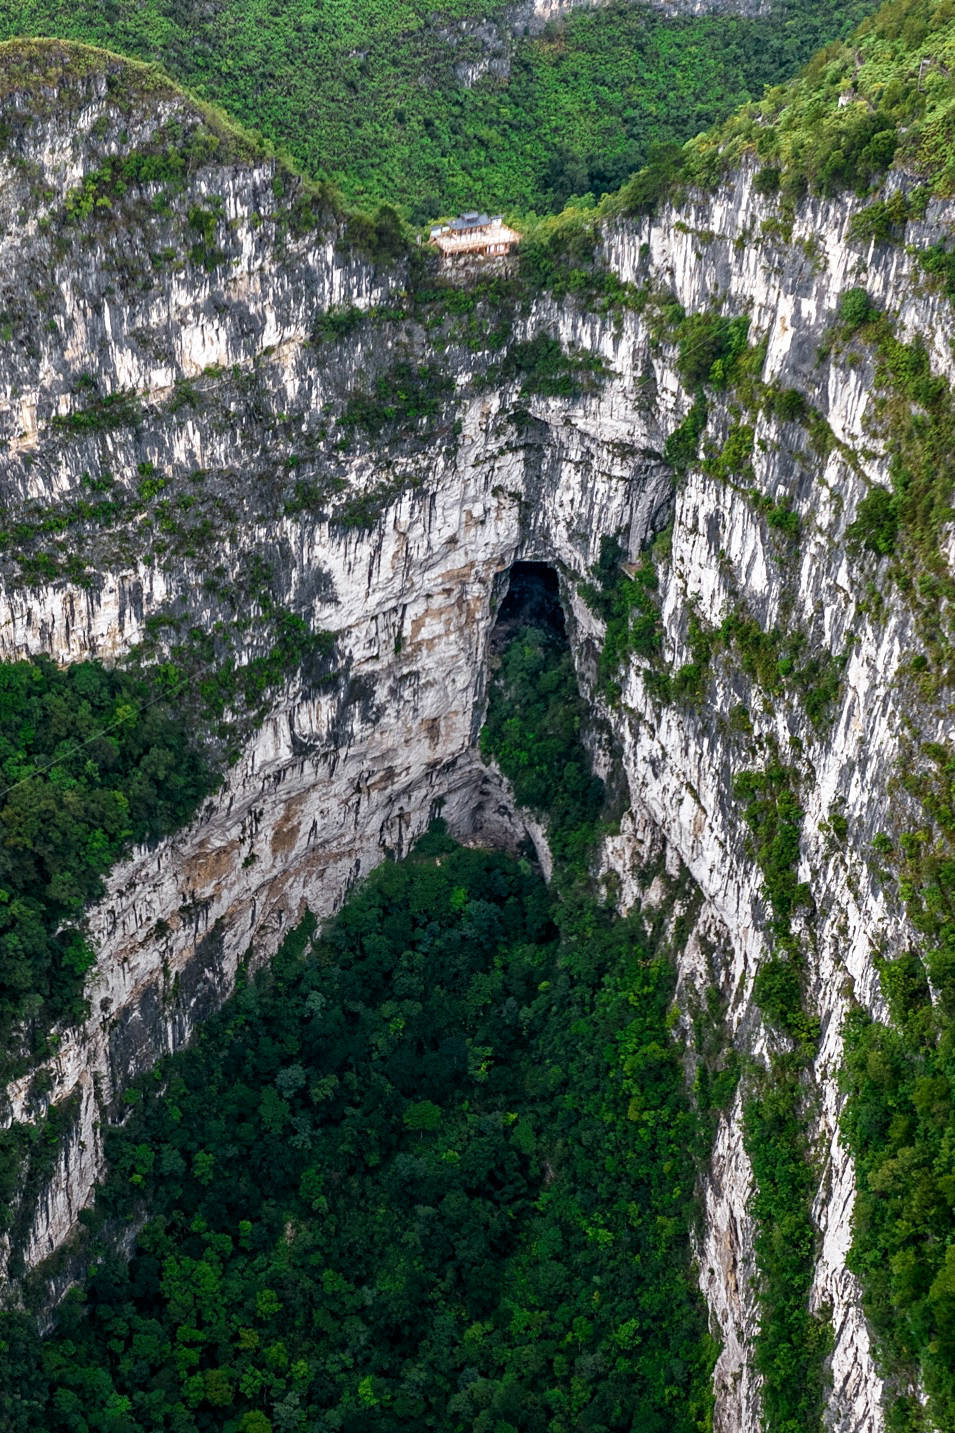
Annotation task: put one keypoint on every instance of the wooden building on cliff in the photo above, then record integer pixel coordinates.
(476, 236)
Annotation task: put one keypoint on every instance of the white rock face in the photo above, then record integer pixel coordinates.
(339, 775)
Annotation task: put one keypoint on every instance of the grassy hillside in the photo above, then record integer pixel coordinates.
(367, 94)
(886, 98)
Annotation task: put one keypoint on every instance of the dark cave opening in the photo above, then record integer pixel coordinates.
(532, 600)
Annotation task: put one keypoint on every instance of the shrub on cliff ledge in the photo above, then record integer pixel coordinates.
(876, 524)
(711, 348)
(855, 309)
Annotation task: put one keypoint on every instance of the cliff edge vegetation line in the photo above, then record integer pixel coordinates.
(882, 98)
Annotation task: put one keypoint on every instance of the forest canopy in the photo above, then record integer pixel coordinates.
(91, 760)
(406, 104)
(431, 1169)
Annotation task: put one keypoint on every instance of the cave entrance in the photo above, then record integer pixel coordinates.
(532, 600)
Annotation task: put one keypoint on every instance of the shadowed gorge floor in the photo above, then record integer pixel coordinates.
(431, 1169)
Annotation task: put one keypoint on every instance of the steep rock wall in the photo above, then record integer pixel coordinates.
(726, 556)
(342, 773)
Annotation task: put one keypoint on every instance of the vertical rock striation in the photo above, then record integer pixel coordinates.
(240, 358)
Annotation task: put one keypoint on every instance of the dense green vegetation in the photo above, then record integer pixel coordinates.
(366, 93)
(885, 96)
(90, 760)
(533, 730)
(899, 1120)
(792, 1343)
(433, 1173)
(433, 1169)
(899, 1126)
(94, 759)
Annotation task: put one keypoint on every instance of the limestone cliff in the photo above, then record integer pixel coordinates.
(223, 336)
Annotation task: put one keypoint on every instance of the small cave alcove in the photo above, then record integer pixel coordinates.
(532, 599)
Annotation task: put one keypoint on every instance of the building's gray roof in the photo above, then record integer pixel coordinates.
(472, 220)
